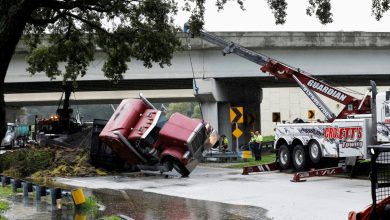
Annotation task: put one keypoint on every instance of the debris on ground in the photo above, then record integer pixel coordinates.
(81, 139)
(51, 161)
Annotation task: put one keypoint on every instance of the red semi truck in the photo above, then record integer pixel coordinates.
(141, 135)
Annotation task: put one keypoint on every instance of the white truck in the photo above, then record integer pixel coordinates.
(306, 144)
(346, 135)
(16, 135)
(302, 144)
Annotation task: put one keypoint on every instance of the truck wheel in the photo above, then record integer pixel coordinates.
(315, 153)
(22, 142)
(10, 146)
(180, 168)
(299, 157)
(284, 157)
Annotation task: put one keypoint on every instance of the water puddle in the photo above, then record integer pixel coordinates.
(143, 205)
(29, 208)
(134, 204)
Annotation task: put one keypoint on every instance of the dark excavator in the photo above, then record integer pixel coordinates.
(60, 124)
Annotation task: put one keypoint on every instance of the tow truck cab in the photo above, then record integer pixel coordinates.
(383, 116)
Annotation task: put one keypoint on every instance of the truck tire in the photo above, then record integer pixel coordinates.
(299, 157)
(315, 153)
(180, 168)
(10, 146)
(284, 157)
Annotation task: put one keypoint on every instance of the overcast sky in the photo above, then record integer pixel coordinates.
(348, 15)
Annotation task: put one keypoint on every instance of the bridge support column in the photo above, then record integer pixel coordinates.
(218, 97)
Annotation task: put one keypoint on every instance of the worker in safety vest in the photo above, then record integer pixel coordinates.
(225, 143)
(252, 143)
(259, 140)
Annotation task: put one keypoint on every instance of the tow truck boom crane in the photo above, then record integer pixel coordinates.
(306, 144)
(307, 83)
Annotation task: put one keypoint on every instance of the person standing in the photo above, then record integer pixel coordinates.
(259, 140)
(225, 143)
(252, 144)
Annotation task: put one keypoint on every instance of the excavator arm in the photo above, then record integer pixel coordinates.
(307, 83)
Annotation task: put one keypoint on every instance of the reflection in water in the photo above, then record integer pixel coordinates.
(137, 205)
(30, 208)
(141, 205)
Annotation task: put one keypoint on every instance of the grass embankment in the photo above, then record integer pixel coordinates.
(90, 205)
(268, 138)
(39, 164)
(265, 158)
(47, 162)
(113, 217)
(5, 205)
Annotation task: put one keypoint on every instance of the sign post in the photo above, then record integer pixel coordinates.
(236, 117)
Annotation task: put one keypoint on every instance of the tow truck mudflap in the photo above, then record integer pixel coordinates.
(298, 177)
(260, 168)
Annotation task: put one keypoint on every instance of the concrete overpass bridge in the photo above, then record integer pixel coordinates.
(343, 58)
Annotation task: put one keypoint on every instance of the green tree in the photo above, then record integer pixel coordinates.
(190, 109)
(184, 108)
(122, 29)
(196, 113)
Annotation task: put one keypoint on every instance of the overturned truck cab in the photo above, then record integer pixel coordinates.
(142, 135)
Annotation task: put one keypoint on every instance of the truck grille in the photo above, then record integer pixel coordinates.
(197, 140)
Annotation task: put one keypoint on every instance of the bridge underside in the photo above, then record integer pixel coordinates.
(186, 83)
(99, 97)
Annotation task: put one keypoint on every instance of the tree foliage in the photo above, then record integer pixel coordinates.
(278, 8)
(379, 7)
(62, 36)
(321, 8)
(190, 109)
(123, 30)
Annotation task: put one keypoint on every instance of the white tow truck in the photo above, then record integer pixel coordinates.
(304, 144)
(345, 136)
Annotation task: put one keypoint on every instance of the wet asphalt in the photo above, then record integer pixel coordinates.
(134, 204)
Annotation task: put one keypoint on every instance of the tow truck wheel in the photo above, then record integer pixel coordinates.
(299, 157)
(315, 152)
(284, 157)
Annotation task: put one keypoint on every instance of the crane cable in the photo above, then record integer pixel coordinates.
(78, 118)
(195, 87)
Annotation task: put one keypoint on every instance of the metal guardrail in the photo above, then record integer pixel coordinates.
(55, 193)
(222, 156)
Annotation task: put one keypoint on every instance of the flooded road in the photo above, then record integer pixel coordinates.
(135, 204)
(141, 205)
(30, 208)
